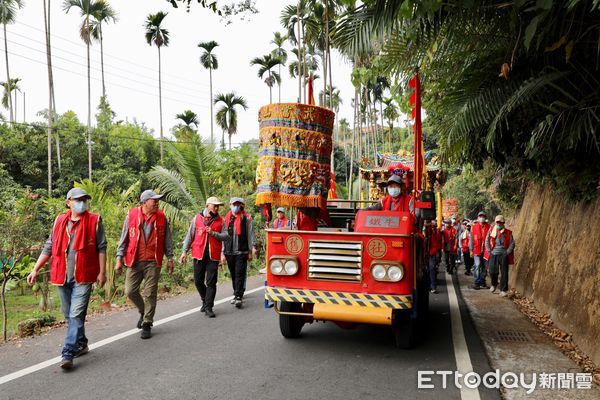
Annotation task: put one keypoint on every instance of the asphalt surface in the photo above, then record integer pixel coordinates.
(242, 355)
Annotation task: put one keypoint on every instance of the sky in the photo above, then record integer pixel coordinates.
(131, 65)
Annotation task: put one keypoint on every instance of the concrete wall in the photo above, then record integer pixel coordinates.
(557, 263)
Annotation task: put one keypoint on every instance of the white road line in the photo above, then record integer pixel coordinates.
(461, 351)
(45, 364)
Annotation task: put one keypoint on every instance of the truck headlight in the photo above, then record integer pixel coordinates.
(395, 273)
(378, 272)
(276, 267)
(291, 267)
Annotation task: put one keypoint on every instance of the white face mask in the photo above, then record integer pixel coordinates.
(481, 220)
(80, 206)
(394, 191)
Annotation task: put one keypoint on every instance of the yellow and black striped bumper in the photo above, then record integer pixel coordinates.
(339, 298)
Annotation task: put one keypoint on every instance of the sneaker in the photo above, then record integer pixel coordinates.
(503, 294)
(238, 302)
(232, 301)
(66, 363)
(433, 291)
(203, 308)
(476, 287)
(209, 312)
(146, 331)
(140, 321)
(262, 270)
(82, 350)
(484, 286)
(492, 289)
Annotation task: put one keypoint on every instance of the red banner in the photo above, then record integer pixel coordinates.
(415, 102)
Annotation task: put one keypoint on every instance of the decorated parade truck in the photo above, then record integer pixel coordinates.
(353, 265)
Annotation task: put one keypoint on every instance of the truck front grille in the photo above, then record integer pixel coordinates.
(339, 261)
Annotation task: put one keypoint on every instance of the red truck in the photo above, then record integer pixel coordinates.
(367, 269)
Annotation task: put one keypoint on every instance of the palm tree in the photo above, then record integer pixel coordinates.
(8, 14)
(210, 62)
(227, 114)
(51, 101)
(157, 35)
(87, 8)
(279, 52)
(391, 113)
(267, 63)
(189, 118)
(8, 90)
(104, 14)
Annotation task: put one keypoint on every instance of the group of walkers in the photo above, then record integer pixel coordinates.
(77, 249)
(482, 248)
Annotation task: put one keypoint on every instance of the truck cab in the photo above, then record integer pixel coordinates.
(366, 268)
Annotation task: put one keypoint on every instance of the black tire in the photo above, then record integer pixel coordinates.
(290, 325)
(404, 330)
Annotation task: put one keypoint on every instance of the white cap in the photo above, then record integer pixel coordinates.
(237, 200)
(281, 209)
(214, 200)
(77, 193)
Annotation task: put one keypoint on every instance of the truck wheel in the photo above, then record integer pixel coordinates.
(404, 330)
(290, 325)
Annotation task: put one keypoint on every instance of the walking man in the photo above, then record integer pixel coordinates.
(77, 245)
(435, 245)
(281, 222)
(238, 249)
(465, 240)
(145, 240)
(450, 244)
(499, 245)
(479, 232)
(205, 237)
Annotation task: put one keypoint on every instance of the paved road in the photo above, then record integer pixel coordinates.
(241, 355)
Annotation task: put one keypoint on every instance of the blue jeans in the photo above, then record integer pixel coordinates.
(74, 299)
(479, 271)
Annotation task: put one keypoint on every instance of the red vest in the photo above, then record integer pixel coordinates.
(464, 243)
(87, 265)
(136, 220)
(435, 244)
(506, 240)
(281, 223)
(479, 232)
(403, 204)
(200, 235)
(449, 236)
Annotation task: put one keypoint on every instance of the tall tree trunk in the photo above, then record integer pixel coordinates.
(8, 85)
(102, 60)
(299, 55)
(229, 134)
(212, 140)
(16, 103)
(50, 82)
(279, 84)
(24, 104)
(160, 105)
(4, 316)
(354, 125)
(89, 87)
(270, 89)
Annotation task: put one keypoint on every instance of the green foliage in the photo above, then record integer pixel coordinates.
(540, 117)
(471, 187)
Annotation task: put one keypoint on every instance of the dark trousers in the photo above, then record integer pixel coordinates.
(450, 260)
(238, 264)
(432, 269)
(468, 261)
(498, 263)
(205, 279)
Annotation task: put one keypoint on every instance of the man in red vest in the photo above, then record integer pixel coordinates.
(397, 199)
(205, 236)
(435, 245)
(479, 232)
(281, 222)
(77, 245)
(239, 248)
(499, 246)
(450, 245)
(466, 238)
(145, 240)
